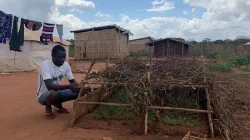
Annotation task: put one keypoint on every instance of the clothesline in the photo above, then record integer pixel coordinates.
(37, 20)
(9, 29)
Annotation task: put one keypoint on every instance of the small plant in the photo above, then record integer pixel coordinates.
(140, 53)
(242, 60)
(171, 120)
(104, 113)
(151, 117)
(192, 123)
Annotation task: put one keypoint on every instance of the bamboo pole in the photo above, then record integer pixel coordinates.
(149, 107)
(208, 99)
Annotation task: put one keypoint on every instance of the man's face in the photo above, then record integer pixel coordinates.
(59, 58)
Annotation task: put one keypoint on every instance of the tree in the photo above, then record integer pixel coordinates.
(219, 41)
(192, 41)
(206, 40)
(228, 41)
(242, 39)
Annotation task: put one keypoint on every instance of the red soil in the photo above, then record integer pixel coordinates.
(22, 117)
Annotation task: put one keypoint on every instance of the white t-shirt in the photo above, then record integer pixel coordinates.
(48, 70)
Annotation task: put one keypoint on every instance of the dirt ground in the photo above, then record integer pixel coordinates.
(238, 88)
(22, 117)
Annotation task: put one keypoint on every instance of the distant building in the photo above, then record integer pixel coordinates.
(248, 43)
(102, 42)
(170, 47)
(138, 44)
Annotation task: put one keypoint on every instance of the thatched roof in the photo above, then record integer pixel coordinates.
(103, 28)
(173, 39)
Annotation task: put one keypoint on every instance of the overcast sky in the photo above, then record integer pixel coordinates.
(188, 19)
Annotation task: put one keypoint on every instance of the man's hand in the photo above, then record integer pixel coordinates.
(74, 87)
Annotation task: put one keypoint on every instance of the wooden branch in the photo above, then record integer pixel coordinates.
(220, 81)
(224, 89)
(87, 75)
(106, 104)
(146, 123)
(150, 107)
(100, 83)
(208, 99)
(181, 109)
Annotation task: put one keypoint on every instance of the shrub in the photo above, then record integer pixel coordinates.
(242, 60)
(212, 55)
(220, 66)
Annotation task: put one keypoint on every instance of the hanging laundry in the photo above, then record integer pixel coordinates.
(47, 33)
(21, 33)
(32, 25)
(60, 31)
(17, 38)
(5, 26)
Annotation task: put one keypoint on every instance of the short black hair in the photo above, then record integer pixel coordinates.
(58, 48)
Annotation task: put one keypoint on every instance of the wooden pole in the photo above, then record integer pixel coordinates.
(182, 49)
(146, 123)
(208, 99)
(150, 107)
(146, 114)
(105, 104)
(80, 94)
(224, 89)
(82, 87)
(181, 109)
(101, 83)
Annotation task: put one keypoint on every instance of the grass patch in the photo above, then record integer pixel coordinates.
(241, 60)
(113, 112)
(179, 118)
(126, 113)
(227, 61)
(151, 117)
(220, 66)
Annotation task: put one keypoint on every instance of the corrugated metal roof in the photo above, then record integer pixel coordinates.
(148, 37)
(102, 28)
